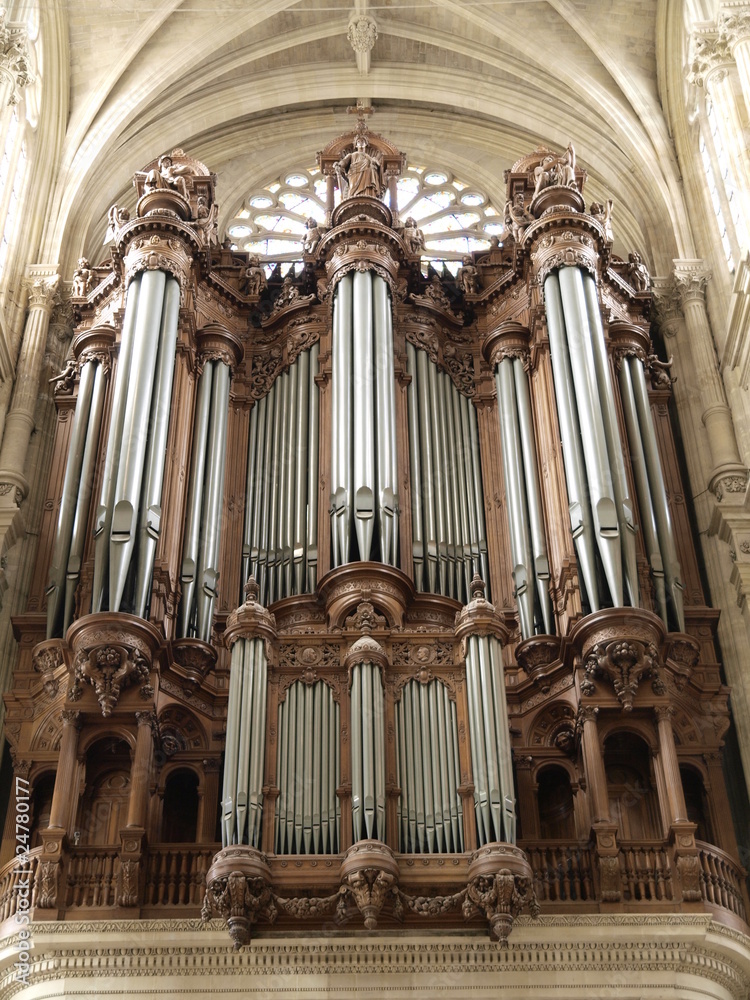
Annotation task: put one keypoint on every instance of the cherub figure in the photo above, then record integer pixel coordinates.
(638, 273)
(81, 279)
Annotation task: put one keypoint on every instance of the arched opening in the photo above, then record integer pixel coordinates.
(41, 807)
(633, 803)
(180, 810)
(555, 803)
(104, 807)
(696, 803)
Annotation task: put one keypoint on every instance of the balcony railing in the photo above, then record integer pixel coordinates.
(173, 878)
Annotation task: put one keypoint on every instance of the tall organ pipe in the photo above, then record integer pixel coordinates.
(643, 490)
(448, 532)
(150, 514)
(658, 491)
(612, 433)
(368, 764)
(200, 550)
(129, 508)
(242, 795)
(78, 473)
(575, 478)
(364, 470)
(490, 741)
(280, 531)
(429, 806)
(596, 458)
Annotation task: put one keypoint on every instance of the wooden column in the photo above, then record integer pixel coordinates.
(140, 772)
(63, 796)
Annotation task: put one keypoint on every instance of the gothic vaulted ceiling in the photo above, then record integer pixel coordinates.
(253, 87)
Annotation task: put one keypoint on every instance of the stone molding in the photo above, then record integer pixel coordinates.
(706, 956)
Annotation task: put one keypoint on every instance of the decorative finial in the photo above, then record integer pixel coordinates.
(252, 591)
(477, 588)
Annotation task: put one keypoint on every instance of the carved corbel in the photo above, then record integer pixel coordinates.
(109, 669)
(369, 876)
(500, 886)
(47, 658)
(238, 890)
(624, 662)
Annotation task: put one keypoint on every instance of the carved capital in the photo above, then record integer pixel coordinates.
(158, 252)
(691, 278)
(666, 304)
(711, 53)
(734, 24)
(42, 283)
(251, 619)
(70, 717)
(14, 58)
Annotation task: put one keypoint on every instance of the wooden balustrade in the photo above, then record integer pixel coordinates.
(722, 880)
(175, 876)
(646, 872)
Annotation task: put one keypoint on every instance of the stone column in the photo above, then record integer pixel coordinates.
(728, 475)
(42, 284)
(14, 65)
(63, 795)
(734, 28)
(141, 770)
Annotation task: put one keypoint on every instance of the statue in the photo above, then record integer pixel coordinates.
(168, 175)
(556, 170)
(311, 237)
(638, 273)
(207, 219)
(116, 219)
(468, 277)
(65, 381)
(603, 215)
(517, 217)
(413, 237)
(360, 173)
(81, 279)
(255, 277)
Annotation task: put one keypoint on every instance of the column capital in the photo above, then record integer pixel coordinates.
(42, 280)
(734, 22)
(691, 278)
(71, 717)
(711, 54)
(666, 299)
(14, 58)
(664, 713)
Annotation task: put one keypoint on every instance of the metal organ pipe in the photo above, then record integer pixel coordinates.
(431, 819)
(134, 466)
(364, 469)
(368, 761)
(447, 499)
(242, 796)
(280, 532)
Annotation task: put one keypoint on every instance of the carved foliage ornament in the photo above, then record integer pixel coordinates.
(362, 33)
(46, 659)
(158, 253)
(241, 900)
(110, 669)
(500, 897)
(14, 58)
(624, 663)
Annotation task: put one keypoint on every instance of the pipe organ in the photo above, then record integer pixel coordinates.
(368, 452)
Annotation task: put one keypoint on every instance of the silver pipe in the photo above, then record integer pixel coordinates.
(308, 775)
(281, 781)
(500, 707)
(402, 831)
(85, 489)
(289, 501)
(596, 459)
(135, 433)
(596, 346)
(315, 749)
(247, 527)
(291, 730)
(424, 405)
(437, 747)
(278, 488)
(255, 455)
(312, 476)
(208, 565)
(491, 736)
(378, 725)
(476, 475)
(245, 740)
(433, 428)
(232, 751)
(363, 379)
(460, 448)
(258, 745)
(337, 780)
(150, 513)
(368, 750)
(385, 421)
(266, 474)
(342, 380)
(447, 481)
(658, 490)
(356, 720)
(411, 757)
(520, 544)
(71, 483)
(451, 777)
(300, 474)
(425, 729)
(301, 772)
(327, 755)
(419, 757)
(457, 772)
(415, 469)
(643, 490)
(453, 471)
(478, 751)
(104, 510)
(533, 494)
(580, 515)
(190, 546)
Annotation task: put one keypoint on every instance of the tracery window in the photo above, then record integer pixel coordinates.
(455, 217)
(721, 185)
